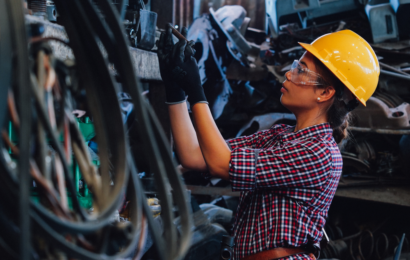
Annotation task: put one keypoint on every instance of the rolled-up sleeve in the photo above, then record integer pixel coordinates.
(298, 165)
(242, 168)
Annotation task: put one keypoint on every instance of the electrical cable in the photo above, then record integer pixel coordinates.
(131, 85)
(87, 33)
(21, 79)
(111, 21)
(43, 116)
(6, 58)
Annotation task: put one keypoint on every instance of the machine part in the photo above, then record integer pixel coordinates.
(39, 7)
(236, 71)
(202, 33)
(216, 87)
(206, 238)
(148, 22)
(393, 69)
(365, 151)
(259, 123)
(391, 100)
(278, 12)
(402, 8)
(383, 22)
(354, 165)
(388, 163)
(217, 214)
(245, 97)
(366, 239)
(355, 245)
(399, 248)
(51, 12)
(229, 19)
(335, 49)
(379, 131)
(276, 9)
(227, 247)
(377, 114)
(396, 75)
(335, 249)
(381, 246)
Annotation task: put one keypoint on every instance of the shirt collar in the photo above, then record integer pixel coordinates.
(315, 130)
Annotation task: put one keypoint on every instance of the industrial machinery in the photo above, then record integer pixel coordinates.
(43, 93)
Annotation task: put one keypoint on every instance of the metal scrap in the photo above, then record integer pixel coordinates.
(377, 114)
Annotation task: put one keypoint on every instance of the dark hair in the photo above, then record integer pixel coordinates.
(337, 114)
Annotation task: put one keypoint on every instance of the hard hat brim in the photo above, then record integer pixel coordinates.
(328, 65)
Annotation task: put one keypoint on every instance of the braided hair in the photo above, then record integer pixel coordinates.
(338, 113)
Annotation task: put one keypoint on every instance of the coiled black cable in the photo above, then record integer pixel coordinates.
(87, 31)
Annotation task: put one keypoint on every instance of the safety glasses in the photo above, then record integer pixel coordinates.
(302, 75)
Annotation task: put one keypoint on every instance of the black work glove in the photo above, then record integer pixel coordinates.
(173, 93)
(185, 72)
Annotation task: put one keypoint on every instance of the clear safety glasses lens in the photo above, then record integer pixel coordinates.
(302, 75)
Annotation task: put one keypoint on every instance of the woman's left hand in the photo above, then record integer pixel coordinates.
(184, 70)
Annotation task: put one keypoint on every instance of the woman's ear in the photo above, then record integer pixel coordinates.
(326, 93)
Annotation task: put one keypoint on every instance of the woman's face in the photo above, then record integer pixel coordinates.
(297, 97)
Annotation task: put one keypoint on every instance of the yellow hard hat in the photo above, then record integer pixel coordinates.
(351, 59)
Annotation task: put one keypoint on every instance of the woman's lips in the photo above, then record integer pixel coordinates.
(283, 89)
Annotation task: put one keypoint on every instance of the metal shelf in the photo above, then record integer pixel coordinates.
(145, 62)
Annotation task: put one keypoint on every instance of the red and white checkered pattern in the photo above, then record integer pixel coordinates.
(287, 181)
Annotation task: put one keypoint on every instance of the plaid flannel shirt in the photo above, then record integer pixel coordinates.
(287, 181)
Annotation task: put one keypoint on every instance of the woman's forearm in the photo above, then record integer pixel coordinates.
(185, 138)
(214, 148)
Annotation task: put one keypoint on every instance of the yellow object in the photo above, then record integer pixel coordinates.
(351, 59)
(153, 203)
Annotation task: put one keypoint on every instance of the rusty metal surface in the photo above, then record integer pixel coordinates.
(145, 62)
(380, 131)
(377, 114)
(391, 195)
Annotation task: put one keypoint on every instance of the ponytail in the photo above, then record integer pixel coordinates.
(339, 119)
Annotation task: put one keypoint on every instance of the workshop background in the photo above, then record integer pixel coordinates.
(87, 168)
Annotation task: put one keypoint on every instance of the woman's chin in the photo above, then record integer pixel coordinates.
(284, 101)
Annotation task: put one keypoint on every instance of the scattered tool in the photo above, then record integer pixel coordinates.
(176, 33)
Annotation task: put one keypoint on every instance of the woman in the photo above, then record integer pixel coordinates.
(287, 175)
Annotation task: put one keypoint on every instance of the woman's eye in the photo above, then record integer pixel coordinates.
(300, 70)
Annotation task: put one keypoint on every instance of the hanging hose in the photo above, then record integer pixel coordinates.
(40, 92)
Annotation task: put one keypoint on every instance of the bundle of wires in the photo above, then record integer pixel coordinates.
(39, 105)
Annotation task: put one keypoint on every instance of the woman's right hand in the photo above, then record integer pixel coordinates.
(173, 93)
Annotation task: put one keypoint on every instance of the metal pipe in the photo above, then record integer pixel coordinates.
(393, 69)
(380, 131)
(397, 75)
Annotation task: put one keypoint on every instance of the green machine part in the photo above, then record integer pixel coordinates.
(84, 195)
